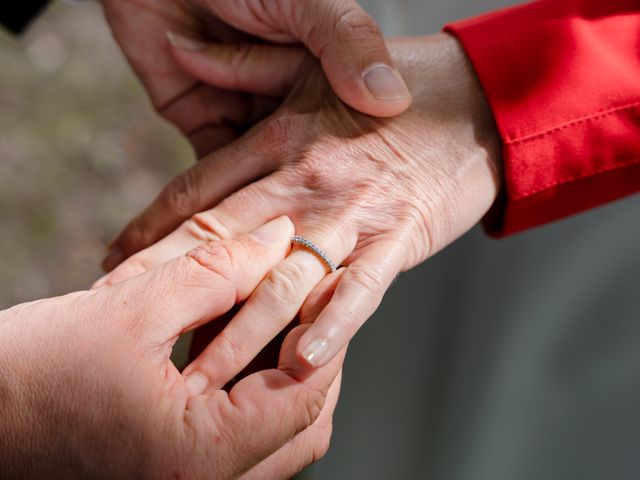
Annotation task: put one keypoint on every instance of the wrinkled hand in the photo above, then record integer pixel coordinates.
(379, 196)
(339, 32)
(88, 390)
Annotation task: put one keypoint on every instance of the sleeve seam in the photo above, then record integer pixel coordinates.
(572, 178)
(571, 124)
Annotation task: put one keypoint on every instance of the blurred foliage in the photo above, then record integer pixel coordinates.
(81, 151)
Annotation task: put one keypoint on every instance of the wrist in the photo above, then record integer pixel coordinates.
(453, 113)
(482, 115)
(460, 94)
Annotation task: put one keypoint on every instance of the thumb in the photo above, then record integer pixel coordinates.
(267, 409)
(355, 58)
(341, 34)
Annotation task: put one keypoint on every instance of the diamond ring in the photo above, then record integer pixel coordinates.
(309, 245)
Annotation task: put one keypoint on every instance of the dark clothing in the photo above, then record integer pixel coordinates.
(16, 15)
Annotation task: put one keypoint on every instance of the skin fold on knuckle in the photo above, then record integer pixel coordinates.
(205, 227)
(219, 263)
(369, 280)
(308, 402)
(415, 232)
(233, 351)
(282, 284)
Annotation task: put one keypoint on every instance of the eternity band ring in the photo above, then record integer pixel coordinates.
(312, 247)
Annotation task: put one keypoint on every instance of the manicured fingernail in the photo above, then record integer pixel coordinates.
(196, 383)
(273, 231)
(385, 83)
(185, 43)
(316, 353)
(113, 258)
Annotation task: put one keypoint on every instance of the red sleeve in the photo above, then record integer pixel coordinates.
(563, 81)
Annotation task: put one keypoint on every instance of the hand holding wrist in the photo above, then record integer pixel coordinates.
(378, 195)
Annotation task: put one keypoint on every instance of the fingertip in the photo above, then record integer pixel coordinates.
(275, 231)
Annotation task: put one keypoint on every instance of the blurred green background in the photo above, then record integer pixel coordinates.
(81, 151)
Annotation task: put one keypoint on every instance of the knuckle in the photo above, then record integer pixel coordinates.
(232, 351)
(313, 401)
(180, 196)
(368, 279)
(216, 258)
(314, 170)
(206, 227)
(284, 283)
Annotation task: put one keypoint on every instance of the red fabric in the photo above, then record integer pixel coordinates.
(563, 81)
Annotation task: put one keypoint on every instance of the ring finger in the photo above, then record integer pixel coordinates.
(274, 303)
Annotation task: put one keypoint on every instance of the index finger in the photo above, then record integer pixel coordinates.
(199, 286)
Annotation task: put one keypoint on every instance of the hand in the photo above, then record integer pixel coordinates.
(339, 32)
(379, 196)
(88, 390)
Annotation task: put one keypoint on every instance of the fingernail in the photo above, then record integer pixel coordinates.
(185, 43)
(273, 231)
(316, 353)
(113, 258)
(385, 83)
(196, 383)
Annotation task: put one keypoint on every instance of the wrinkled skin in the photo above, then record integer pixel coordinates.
(377, 195)
(208, 116)
(339, 32)
(88, 389)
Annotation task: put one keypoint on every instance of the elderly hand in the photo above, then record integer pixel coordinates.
(378, 196)
(339, 32)
(88, 391)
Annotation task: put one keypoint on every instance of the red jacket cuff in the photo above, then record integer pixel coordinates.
(563, 82)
